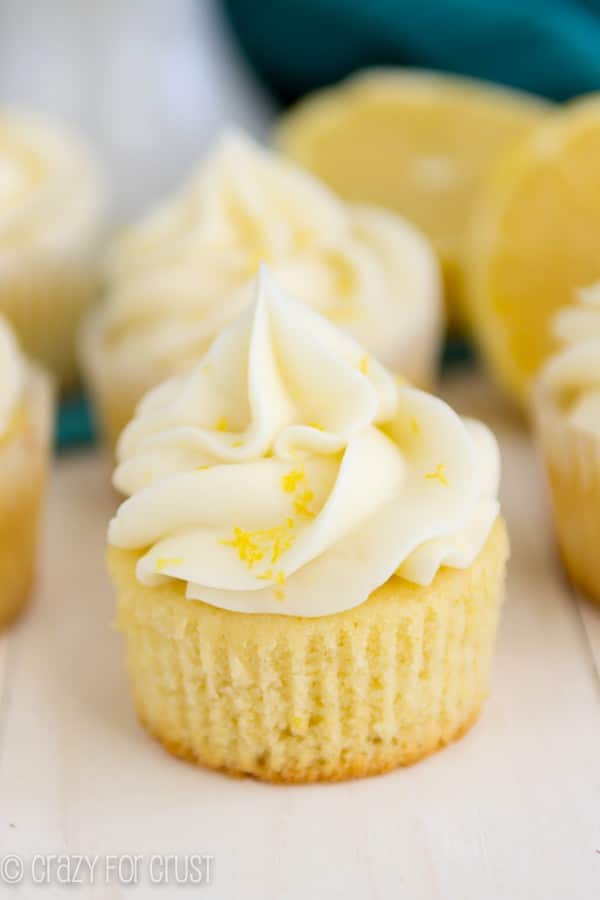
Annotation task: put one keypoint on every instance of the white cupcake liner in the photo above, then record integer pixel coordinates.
(572, 459)
(24, 456)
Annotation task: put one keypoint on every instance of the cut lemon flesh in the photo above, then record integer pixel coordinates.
(535, 241)
(419, 143)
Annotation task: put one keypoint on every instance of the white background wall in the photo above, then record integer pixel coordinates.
(148, 81)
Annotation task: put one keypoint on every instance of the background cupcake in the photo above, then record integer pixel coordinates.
(567, 411)
(25, 426)
(51, 214)
(179, 276)
(309, 579)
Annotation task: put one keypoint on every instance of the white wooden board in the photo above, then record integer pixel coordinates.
(512, 812)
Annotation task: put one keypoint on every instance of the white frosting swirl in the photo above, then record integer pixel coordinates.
(574, 374)
(290, 473)
(51, 194)
(12, 374)
(181, 275)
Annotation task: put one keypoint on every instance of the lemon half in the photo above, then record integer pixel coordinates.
(419, 143)
(535, 241)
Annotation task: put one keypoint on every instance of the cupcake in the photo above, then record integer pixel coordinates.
(51, 211)
(310, 562)
(25, 427)
(567, 414)
(180, 276)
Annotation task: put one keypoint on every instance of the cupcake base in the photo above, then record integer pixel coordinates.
(23, 465)
(572, 458)
(359, 767)
(298, 700)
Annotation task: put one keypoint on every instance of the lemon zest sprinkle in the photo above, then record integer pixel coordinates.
(222, 423)
(266, 576)
(301, 504)
(269, 575)
(247, 548)
(237, 443)
(438, 474)
(283, 539)
(291, 480)
(163, 561)
(364, 364)
(414, 425)
(317, 426)
(254, 546)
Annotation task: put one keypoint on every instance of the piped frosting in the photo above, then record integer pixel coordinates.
(178, 277)
(290, 473)
(573, 375)
(51, 193)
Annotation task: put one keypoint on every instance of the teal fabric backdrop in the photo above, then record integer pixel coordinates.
(551, 47)
(74, 425)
